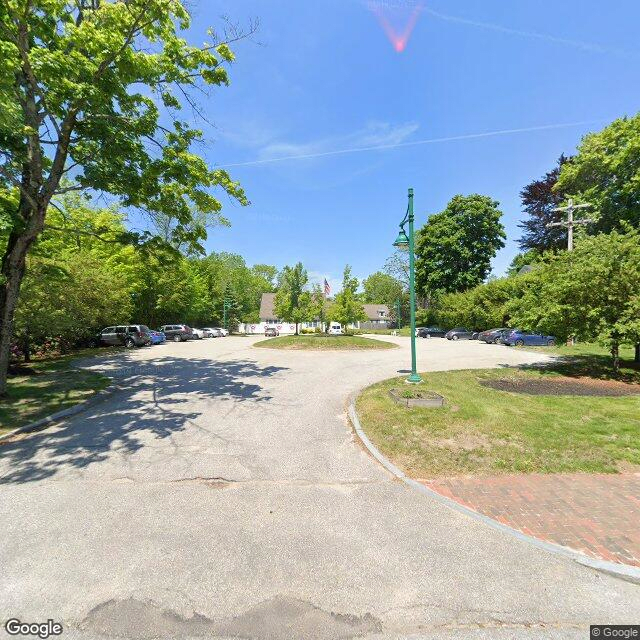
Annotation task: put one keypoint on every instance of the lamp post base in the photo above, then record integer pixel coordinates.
(414, 378)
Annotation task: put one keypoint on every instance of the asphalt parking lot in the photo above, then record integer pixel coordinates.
(220, 493)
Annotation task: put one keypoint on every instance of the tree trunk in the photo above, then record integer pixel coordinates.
(638, 352)
(26, 347)
(12, 271)
(615, 354)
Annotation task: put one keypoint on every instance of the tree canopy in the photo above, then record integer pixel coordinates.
(347, 309)
(606, 173)
(539, 199)
(592, 292)
(380, 288)
(89, 97)
(454, 248)
(80, 278)
(293, 302)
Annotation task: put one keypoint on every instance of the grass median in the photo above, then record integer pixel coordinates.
(324, 343)
(510, 421)
(47, 386)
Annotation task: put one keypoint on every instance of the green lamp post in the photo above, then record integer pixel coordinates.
(403, 242)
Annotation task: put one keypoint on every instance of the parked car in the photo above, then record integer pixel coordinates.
(430, 332)
(520, 338)
(198, 334)
(271, 332)
(493, 336)
(459, 334)
(223, 332)
(474, 335)
(135, 335)
(157, 337)
(177, 332)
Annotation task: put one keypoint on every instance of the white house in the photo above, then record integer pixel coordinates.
(377, 318)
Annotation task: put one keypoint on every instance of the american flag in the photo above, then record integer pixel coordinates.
(327, 288)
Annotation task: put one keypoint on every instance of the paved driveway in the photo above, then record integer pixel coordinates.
(222, 495)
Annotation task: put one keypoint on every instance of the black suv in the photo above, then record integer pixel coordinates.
(177, 332)
(430, 332)
(134, 335)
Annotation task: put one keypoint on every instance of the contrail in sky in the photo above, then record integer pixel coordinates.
(415, 143)
(585, 46)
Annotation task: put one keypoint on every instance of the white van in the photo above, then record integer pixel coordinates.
(335, 329)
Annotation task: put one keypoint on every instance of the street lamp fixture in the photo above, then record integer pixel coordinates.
(405, 242)
(402, 241)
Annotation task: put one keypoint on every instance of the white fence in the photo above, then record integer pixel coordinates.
(284, 328)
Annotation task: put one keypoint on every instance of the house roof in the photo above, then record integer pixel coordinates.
(372, 311)
(266, 306)
(268, 299)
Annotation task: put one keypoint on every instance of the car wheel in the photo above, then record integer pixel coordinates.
(551, 343)
(454, 337)
(519, 343)
(129, 343)
(177, 339)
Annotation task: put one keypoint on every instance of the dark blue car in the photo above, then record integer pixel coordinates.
(520, 338)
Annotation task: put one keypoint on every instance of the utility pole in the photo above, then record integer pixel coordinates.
(571, 208)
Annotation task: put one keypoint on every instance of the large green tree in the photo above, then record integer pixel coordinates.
(347, 308)
(248, 283)
(78, 277)
(87, 93)
(606, 173)
(487, 306)
(292, 302)
(592, 292)
(454, 248)
(382, 288)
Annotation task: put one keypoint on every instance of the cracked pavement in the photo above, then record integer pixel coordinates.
(221, 494)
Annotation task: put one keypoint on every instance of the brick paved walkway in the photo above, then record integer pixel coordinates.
(598, 515)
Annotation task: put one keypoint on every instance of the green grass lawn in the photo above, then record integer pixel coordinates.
(323, 342)
(55, 386)
(485, 431)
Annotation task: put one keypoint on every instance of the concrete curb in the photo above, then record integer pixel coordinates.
(37, 425)
(623, 571)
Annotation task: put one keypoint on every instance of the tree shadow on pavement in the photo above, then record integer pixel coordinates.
(158, 398)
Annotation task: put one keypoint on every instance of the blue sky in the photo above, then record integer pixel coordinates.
(321, 76)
